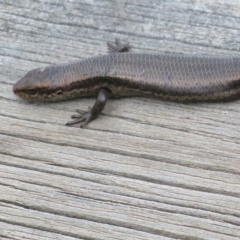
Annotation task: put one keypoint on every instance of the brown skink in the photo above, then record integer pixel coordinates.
(120, 74)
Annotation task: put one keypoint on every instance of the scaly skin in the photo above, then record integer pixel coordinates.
(169, 76)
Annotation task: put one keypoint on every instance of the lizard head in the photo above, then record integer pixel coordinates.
(37, 85)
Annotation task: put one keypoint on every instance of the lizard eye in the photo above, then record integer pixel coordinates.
(32, 91)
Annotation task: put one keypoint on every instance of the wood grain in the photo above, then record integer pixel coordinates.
(146, 168)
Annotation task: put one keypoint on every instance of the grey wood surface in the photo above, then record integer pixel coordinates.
(146, 168)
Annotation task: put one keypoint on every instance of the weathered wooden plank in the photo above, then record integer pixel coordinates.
(146, 169)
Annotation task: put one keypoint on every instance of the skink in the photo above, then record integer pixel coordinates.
(121, 73)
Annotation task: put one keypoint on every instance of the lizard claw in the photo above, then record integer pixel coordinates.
(118, 46)
(84, 117)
